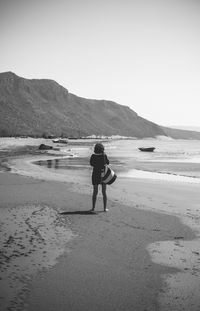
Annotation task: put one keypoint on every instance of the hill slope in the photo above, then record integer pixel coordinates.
(38, 107)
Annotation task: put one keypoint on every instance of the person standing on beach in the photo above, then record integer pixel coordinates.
(98, 160)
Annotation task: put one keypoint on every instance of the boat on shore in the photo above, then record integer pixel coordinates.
(147, 149)
(60, 141)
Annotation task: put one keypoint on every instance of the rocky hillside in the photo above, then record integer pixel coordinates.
(43, 107)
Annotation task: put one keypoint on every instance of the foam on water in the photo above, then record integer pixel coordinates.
(159, 176)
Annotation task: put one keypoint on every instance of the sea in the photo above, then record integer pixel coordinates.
(172, 160)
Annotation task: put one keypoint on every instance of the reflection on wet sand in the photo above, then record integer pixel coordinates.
(76, 163)
(69, 163)
(51, 163)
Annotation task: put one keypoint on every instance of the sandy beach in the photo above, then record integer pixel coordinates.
(141, 255)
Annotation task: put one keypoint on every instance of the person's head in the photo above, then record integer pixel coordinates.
(98, 148)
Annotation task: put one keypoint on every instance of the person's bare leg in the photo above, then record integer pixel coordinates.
(94, 196)
(104, 197)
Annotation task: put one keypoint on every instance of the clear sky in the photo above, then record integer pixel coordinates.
(144, 54)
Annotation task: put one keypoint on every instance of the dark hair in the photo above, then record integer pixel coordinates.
(98, 148)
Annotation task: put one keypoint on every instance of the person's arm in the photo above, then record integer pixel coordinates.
(106, 159)
(92, 162)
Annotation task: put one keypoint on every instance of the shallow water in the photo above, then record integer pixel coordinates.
(172, 160)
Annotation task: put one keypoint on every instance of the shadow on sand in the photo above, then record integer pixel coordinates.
(79, 213)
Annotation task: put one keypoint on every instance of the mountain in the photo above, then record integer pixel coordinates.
(43, 107)
(186, 127)
(180, 134)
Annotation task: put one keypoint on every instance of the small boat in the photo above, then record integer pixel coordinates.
(147, 149)
(60, 141)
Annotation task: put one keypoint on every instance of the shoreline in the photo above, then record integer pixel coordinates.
(168, 198)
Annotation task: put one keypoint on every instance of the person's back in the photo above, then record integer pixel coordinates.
(98, 160)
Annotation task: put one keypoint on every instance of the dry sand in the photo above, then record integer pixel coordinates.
(141, 255)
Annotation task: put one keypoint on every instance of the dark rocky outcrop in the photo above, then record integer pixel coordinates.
(45, 147)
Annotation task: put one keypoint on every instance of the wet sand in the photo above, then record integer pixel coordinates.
(102, 262)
